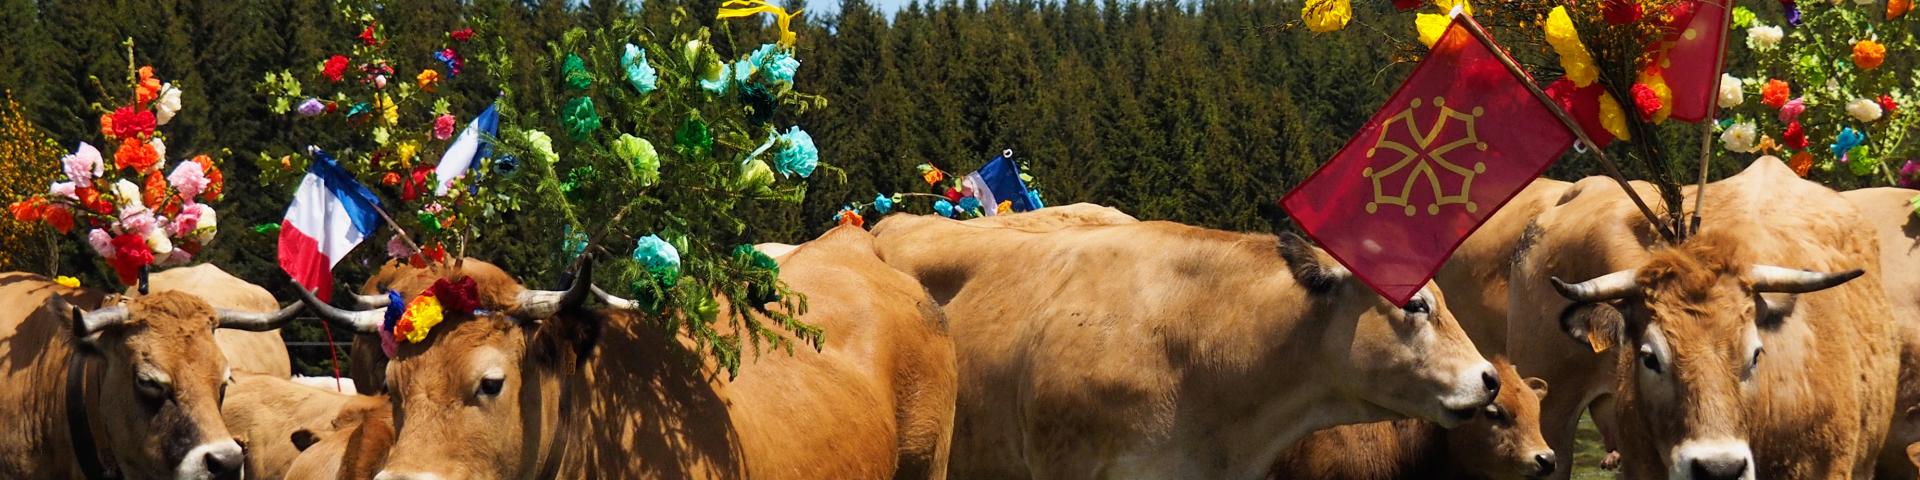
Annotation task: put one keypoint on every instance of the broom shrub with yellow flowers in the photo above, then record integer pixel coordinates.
(22, 174)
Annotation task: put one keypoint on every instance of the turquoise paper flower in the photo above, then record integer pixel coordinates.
(776, 65)
(659, 258)
(797, 156)
(882, 204)
(944, 208)
(639, 74)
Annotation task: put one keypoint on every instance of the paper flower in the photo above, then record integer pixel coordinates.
(1431, 27)
(135, 155)
(146, 88)
(335, 68)
(641, 158)
(189, 179)
(579, 118)
(797, 156)
(1742, 137)
(129, 123)
(1898, 8)
(1613, 118)
(451, 59)
(1869, 54)
(970, 204)
(1762, 37)
(640, 75)
(168, 104)
(428, 80)
(1792, 109)
(1324, 16)
(443, 126)
(422, 314)
(83, 165)
(542, 145)
(775, 64)
(714, 79)
(1646, 102)
(1730, 95)
(101, 242)
(1846, 141)
(1802, 163)
(1887, 103)
(1574, 57)
(1774, 93)
(367, 38)
(659, 258)
(311, 107)
(754, 175)
(849, 216)
(461, 35)
(574, 71)
(1792, 12)
(882, 204)
(70, 282)
(944, 208)
(62, 190)
(1863, 110)
(1795, 137)
(1910, 174)
(130, 252)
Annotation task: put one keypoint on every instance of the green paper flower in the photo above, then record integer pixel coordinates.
(1742, 17)
(577, 180)
(429, 222)
(693, 139)
(641, 156)
(575, 72)
(579, 118)
(755, 175)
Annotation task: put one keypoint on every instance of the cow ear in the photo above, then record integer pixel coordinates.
(304, 438)
(1773, 309)
(1599, 326)
(1538, 385)
(1308, 269)
(570, 336)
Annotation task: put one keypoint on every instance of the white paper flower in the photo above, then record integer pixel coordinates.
(1742, 137)
(159, 150)
(127, 193)
(1864, 110)
(1762, 37)
(1730, 95)
(168, 104)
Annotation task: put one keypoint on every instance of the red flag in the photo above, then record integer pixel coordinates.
(1692, 62)
(1460, 138)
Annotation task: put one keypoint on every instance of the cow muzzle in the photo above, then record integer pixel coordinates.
(221, 460)
(1472, 389)
(1722, 459)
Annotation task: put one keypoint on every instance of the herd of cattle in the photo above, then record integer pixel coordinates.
(1782, 340)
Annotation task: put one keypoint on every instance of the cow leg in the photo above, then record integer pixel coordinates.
(1559, 421)
(1603, 420)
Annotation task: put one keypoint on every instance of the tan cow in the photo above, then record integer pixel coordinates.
(1728, 356)
(541, 387)
(258, 352)
(1502, 442)
(131, 387)
(1475, 277)
(1155, 349)
(353, 447)
(1891, 214)
(265, 411)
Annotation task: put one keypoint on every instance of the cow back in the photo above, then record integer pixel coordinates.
(258, 352)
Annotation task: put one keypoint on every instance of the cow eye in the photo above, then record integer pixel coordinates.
(491, 386)
(1649, 360)
(1496, 414)
(1753, 363)
(150, 388)
(1417, 306)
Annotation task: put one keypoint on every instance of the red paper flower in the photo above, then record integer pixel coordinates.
(1775, 93)
(90, 199)
(26, 211)
(1887, 104)
(1796, 136)
(128, 123)
(129, 254)
(953, 195)
(457, 296)
(335, 68)
(416, 185)
(367, 38)
(1646, 101)
(59, 218)
(462, 35)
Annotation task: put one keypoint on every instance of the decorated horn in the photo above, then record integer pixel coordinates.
(257, 321)
(362, 321)
(1612, 286)
(614, 301)
(85, 324)
(539, 304)
(364, 302)
(1768, 278)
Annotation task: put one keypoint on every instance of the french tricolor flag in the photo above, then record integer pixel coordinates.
(331, 213)
(999, 181)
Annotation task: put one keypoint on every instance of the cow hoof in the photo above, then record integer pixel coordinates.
(1612, 462)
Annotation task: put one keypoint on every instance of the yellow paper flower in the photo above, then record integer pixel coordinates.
(389, 111)
(427, 79)
(1324, 16)
(67, 281)
(1005, 207)
(1613, 118)
(1565, 40)
(422, 314)
(1447, 5)
(1657, 82)
(1431, 27)
(406, 152)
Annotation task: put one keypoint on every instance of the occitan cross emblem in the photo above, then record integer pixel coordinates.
(1420, 158)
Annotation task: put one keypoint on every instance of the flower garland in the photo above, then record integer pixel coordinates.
(135, 215)
(411, 320)
(952, 199)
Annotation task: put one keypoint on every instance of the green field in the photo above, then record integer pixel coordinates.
(1586, 461)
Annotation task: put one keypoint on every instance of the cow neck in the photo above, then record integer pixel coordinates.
(86, 451)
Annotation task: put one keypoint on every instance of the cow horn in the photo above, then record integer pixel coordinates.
(1612, 286)
(362, 321)
(85, 324)
(361, 301)
(539, 304)
(1768, 278)
(257, 321)
(615, 301)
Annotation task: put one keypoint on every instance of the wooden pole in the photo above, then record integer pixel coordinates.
(1568, 122)
(1706, 124)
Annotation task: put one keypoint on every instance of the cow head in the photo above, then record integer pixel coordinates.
(480, 395)
(159, 382)
(1412, 359)
(1504, 440)
(1684, 330)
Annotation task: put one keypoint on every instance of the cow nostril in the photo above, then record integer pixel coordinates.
(221, 464)
(1491, 381)
(1719, 469)
(1543, 464)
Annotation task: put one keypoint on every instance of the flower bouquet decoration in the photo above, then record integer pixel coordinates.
(955, 196)
(136, 209)
(661, 141)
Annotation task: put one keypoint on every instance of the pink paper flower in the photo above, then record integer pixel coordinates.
(443, 127)
(189, 179)
(83, 165)
(101, 242)
(1792, 110)
(137, 220)
(397, 248)
(63, 189)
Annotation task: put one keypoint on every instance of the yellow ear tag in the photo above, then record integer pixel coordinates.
(1601, 336)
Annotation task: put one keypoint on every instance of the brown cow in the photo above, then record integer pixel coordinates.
(264, 411)
(542, 388)
(1163, 350)
(1502, 442)
(353, 447)
(1475, 277)
(1891, 214)
(141, 378)
(1680, 331)
(257, 352)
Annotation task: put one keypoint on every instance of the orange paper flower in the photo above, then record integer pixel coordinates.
(154, 193)
(106, 124)
(1802, 162)
(1869, 54)
(148, 89)
(136, 155)
(428, 79)
(1775, 93)
(216, 182)
(1898, 8)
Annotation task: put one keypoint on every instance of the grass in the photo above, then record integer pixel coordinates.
(1589, 451)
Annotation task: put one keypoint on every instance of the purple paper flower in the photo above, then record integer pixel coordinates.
(312, 107)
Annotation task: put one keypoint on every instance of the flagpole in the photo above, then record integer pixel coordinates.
(1567, 121)
(1713, 110)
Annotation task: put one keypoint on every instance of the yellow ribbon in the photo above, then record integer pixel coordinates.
(747, 8)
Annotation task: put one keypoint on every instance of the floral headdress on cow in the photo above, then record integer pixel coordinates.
(952, 198)
(667, 142)
(399, 108)
(137, 211)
